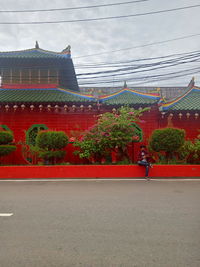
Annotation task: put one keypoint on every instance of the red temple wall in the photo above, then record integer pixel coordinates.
(21, 120)
(190, 125)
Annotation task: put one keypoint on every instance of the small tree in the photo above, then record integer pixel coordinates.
(167, 140)
(50, 145)
(110, 132)
(6, 146)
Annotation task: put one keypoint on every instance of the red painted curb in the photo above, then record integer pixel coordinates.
(97, 171)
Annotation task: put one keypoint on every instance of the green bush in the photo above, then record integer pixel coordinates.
(6, 147)
(6, 137)
(167, 140)
(185, 151)
(49, 145)
(111, 131)
(6, 150)
(51, 140)
(194, 155)
(49, 155)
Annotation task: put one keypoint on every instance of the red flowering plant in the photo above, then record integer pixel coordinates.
(110, 132)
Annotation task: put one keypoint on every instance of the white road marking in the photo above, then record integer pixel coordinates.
(6, 214)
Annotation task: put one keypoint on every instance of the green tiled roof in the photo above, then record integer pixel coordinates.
(128, 97)
(33, 53)
(41, 96)
(189, 101)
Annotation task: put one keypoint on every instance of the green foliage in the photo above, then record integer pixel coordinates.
(51, 140)
(32, 133)
(49, 145)
(111, 131)
(167, 140)
(49, 155)
(6, 137)
(6, 150)
(191, 152)
(5, 127)
(185, 151)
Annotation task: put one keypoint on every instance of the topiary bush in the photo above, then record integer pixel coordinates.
(51, 140)
(50, 144)
(49, 155)
(6, 150)
(6, 137)
(167, 141)
(6, 146)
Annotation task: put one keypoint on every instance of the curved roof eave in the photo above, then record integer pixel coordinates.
(34, 53)
(147, 95)
(166, 106)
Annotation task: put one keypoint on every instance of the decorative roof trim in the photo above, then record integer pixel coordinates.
(76, 94)
(60, 54)
(51, 89)
(152, 96)
(171, 103)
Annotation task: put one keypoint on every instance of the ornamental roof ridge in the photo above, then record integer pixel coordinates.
(178, 100)
(42, 95)
(75, 93)
(63, 53)
(156, 96)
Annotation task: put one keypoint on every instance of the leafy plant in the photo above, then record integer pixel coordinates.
(167, 141)
(49, 144)
(194, 155)
(6, 137)
(6, 149)
(6, 146)
(110, 132)
(51, 140)
(49, 155)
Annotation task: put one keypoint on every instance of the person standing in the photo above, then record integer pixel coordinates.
(143, 160)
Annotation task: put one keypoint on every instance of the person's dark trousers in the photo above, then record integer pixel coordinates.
(146, 164)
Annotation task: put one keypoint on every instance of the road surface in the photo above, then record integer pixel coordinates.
(100, 223)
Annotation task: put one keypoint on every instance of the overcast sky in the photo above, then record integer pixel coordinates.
(87, 38)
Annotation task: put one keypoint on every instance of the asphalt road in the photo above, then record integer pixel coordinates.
(100, 223)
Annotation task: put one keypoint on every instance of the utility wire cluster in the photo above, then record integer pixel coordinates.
(99, 18)
(136, 71)
(139, 71)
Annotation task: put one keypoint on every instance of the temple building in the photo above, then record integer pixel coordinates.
(39, 90)
(38, 67)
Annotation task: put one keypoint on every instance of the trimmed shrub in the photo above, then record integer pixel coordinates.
(49, 144)
(51, 140)
(6, 146)
(49, 155)
(167, 140)
(6, 150)
(6, 137)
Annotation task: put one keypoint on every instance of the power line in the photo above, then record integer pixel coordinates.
(71, 8)
(180, 60)
(140, 46)
(101, 18)
(145, 79)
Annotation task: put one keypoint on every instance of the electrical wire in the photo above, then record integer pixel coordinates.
(71, 8)
(119, 74)
(101, 18)
(140, 46)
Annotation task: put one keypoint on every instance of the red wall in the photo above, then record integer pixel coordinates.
(97, 171)
(21, 120)
(190, 125)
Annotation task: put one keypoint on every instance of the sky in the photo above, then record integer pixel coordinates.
(105, 36)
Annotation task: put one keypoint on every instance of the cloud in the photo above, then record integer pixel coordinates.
(88, 38)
